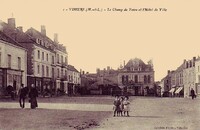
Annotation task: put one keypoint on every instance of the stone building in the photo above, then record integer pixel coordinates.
(137, 76)
(197, 75)
(74, 80)
(13, 63)
(46, 59)
(189, 76)
(134, 78)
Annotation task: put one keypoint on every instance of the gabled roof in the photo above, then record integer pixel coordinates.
(36, 34)
(180, 68)
(72, 68)
(15, 33)
(6, 38)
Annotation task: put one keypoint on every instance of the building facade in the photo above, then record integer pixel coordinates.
(13, 63)
(46, 59)
(137, 76)
(74, 79)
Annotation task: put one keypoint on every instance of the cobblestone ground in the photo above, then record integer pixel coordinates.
(146, 113)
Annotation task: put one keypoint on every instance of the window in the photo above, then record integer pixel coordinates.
(9, 61)
(58, 73)
(149, 79)
(38, 69)
(122, 79)
(38, 54)
(47, 71)
(0, 59)
(145, 79)
(47, 57)
(199, 78)
(52, 72)
(42, 55)
(61, 59)
(136, 79)
(52, 59)
(66, 60)
(57, 58)
(19, 63)
(43, 70)
(61, 72)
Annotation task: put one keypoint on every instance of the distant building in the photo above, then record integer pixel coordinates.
(74, 80)
(189, 76)
(134, 78)
(137, 76)
(197, 75)
(13, 63)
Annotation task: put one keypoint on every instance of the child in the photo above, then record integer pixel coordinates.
(116, 105)
(121, 106)
(126, 104)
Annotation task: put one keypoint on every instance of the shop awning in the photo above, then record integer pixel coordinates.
(178, 90)
(172, 90)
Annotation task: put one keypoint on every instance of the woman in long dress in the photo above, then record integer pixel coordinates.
(32, 95)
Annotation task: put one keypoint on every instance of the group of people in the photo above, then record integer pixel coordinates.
(121, 106)
(32, 95)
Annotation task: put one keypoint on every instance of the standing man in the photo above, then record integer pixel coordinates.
(193, 93)
(22, 95)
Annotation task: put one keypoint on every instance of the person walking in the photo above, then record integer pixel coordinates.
(32, 95)
(192, 93)
(22, 95)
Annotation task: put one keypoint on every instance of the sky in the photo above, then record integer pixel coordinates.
(100, 39)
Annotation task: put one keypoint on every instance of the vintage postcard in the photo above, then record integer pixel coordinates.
(99, 65)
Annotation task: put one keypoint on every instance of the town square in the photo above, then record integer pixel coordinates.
(99, 65)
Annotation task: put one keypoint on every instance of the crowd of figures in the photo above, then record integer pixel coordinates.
(121, 106)
(32, 94)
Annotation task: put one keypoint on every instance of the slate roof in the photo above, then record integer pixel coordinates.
(15, 33)
(6, 38)
(72, 68)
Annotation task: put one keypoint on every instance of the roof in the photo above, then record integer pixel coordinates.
(180, 68)
(6, 38)
(72, 68)
(136, 62)
(15, 33)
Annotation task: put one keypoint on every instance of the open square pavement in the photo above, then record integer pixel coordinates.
(96, 112)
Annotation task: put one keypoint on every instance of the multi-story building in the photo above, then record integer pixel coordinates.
(61, 65)
(197, 75)
(46, 59)
(13, 63)
(137, 76)
(74, 79)
(189, 76)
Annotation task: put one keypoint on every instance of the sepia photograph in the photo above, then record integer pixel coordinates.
(99, 65)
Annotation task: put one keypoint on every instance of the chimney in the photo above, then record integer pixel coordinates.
(194, 58)
(20, 28)
(55, 37)
(43, 30)
(168, 71)
(124, 63)
(11, 22)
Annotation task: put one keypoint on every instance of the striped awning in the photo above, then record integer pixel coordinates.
(178, 90)
(172, 90)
